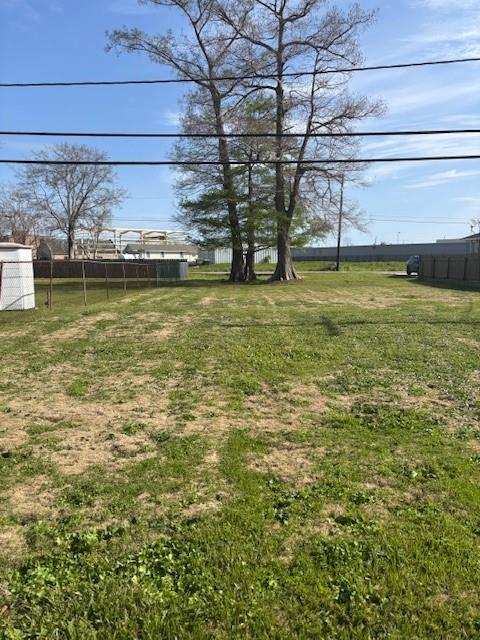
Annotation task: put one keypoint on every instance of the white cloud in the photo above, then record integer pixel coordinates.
(437, 179)
(446, 4)
(433, 145)
(467, 200)
(171, 118)
(420, 96)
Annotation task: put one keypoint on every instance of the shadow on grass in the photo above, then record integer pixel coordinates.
(456, 285)
(334, 328)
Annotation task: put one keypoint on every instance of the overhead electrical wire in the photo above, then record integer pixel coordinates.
(257, 76)
(422, 220)
(401, 221)
(326, 134)
(181, 163)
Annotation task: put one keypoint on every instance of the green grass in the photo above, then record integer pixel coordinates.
(207, 460)
(310, 265)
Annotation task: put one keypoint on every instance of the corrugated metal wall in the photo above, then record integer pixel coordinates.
(380, 252)
(364, 253)
(224, 255)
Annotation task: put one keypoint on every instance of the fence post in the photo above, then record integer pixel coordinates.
(138, 279)
(124, 278)
(50, 288)
(84, 284)
(106, 282)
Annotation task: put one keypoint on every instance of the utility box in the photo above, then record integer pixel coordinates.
(172, 270)
(17, 291)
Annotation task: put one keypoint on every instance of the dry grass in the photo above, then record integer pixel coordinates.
(33, 498)
(12, 543)
(290, 463)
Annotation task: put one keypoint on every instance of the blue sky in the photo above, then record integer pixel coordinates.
(46, 40)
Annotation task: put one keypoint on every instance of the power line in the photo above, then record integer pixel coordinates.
(181, 163)
(405, 220)
(261, 76)
(401, 220)
(327, 134)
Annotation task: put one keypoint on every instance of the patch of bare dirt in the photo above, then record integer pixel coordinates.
(474, 445)
(161, 334)
(286, 410)
(377, 512)
(289, 463)
(207, 300)
(96, 437)
(81, 450)
(33, 497)
(78, 329)
(12, 543)
(201, 509)
(212, 458)
(12, 432)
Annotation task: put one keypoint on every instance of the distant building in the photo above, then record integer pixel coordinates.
(391, 252)
(160, 251)
(57, 249)
(223, 255)
(473, 243)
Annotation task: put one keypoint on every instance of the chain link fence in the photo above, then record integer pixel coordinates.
(61, 283)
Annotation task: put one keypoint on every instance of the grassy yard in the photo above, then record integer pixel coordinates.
(269, 461)
(312, 265)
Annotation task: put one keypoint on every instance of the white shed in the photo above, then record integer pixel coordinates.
(17, 292)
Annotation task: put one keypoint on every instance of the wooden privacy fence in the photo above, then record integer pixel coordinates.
(466, 268)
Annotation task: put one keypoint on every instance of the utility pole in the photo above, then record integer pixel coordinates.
(340, 216)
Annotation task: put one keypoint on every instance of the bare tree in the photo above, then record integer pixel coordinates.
(303, 36)
(203, 200)
(203, 56)
(19, 220)
(71, 197)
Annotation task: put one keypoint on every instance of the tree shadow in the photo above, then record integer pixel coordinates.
(456, 285)
(334, 328)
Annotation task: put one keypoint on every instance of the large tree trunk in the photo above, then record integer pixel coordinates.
(237, 268)
(284, 270)
(70, 245)
(250, 275)
(237, 273)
